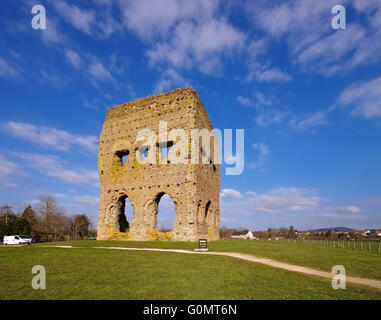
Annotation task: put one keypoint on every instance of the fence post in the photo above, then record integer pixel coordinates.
(379, 247)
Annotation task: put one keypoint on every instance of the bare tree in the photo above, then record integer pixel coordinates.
(51, 216)
(5, 211)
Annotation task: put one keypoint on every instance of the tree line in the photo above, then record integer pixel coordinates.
(48, 222)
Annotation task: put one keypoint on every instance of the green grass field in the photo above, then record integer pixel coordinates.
(357, 263)
(88, 273)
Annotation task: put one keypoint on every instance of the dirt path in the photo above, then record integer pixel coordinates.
(374, 283)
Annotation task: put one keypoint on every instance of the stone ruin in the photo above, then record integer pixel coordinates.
(194, 188)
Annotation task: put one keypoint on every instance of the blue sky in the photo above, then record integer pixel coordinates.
(307, 96)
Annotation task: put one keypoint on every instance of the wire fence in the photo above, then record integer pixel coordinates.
(373, 246)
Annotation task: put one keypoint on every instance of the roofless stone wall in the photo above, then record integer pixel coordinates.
(194, 188)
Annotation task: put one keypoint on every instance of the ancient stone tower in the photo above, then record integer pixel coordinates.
(193, 187)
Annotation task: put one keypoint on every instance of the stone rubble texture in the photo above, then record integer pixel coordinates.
(194, 188)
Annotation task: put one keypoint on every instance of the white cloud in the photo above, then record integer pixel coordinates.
(52, 79)
(7, 171)
(259, 66)
(98, 22)
(169, 79)
(271, 75)
(53, 166)
(268, 116)
(263, 153)
(58, 195)
(267, 113)
(364, 98)
(52, 34)
(163, 15)
(262, 100)
(245, 101)
(91, 200)
(183, 34)
(306, 26)
(273, 202)
(343, 213)
(285, 204)
(230, 193)
(341, 217)
(259, 100)
(50, 137)
(328, 55)
(314, 120)
(98, 71)
(349, 209)
(262, 148)
(302, 21)
(79, 18)
(197, 45)
(8, 71)
(73, 58)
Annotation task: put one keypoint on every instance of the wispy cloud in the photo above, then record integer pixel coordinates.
(268, 113)
(306, 27)
(230, 193)
(168, 80)
(272, 74)
(259, 65)
(79, 18)
(364, 98)
(269, 116)
(99, 71)
(244, 101)
(73, 58)
(52, 35)
(91, 200)
(53, 166)
(52, 79)
(274, 201)
(349, 209)
(285, 205)
(8, 170)
(50, 137)
(7, 70)
(169, 28)
(263, 153)
(312, 121)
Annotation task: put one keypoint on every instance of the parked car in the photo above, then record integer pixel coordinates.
(17, 239)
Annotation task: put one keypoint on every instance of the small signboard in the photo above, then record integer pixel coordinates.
(203, 244)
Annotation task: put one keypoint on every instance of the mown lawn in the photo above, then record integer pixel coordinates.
(88, 273)
(357, 263)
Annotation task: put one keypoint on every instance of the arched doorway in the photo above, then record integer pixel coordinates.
(125, 214)
(207, 210)
(166, 212)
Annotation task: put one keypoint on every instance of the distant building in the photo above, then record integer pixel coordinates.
(245, 234)
(373, 233)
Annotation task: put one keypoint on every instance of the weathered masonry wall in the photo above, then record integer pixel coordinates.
(194, 188)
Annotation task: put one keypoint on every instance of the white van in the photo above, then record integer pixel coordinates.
(17, 239)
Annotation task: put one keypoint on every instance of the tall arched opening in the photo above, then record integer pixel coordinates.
(125, 214)
(166, 212)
